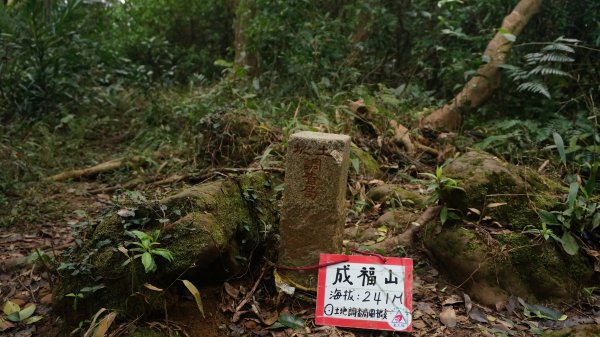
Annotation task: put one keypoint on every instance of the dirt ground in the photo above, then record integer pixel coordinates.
(439, 308)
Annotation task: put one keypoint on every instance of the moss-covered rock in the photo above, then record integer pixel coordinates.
(493, 267)
(492, 263)
(487, 180)
(210, 229)
(367, 165)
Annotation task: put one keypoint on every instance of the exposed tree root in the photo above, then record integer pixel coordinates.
(110, 165)
(364, 120)
(406, 239)
(481, 87)
(402, 137)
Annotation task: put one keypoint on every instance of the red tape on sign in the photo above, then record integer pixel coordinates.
(365, 292)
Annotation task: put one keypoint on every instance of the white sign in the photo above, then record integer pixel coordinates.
(365, 292)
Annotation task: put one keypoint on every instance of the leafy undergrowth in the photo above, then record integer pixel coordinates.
(40, 219)
(249, 306)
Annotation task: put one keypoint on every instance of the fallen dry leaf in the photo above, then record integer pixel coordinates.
(454, 299)
(269, 318)
(448, 317)
(231, 291)
(419, 325)
(426, 308)
(468, 303)
(478, 315)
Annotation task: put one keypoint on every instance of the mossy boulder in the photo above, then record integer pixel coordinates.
(492, 267)
(212, 230)
(367, 165)
(494, 262)
(486, 180)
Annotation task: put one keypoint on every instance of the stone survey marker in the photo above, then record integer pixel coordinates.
(314, 211)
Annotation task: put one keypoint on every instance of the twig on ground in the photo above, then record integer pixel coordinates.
(236, 315)
(110, 165)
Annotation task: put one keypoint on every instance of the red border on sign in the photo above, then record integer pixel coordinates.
(320, 317)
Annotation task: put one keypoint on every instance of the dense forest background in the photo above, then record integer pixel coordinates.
(71, 69)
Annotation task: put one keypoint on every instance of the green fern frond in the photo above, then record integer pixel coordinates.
(558, 47)
(548, 71)
(513, 72)
(554, 57)
(567, 40)
(533, 58)
(535, 87)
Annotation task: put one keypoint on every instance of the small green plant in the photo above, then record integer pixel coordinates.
(532, 77)
(439, 184)
(544, 232)
(14, 313)
(579, 214)
(145, 249)
(83, 293)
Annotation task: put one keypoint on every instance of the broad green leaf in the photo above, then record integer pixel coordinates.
(355, 165)
(569, 243)
(560, 146)
(454, 216)
(596, 221)
(539, 311)
(137, 234)
(164, 253)
(573, 189)
(429, 175)
(444, 215)
(14, 317)
(291, 321)
(78, 295)
(33, 319)
(194, 291)
(223, 63)
(548, 218)
(10, 307)
(92, 289)
(148, 262)
(27, 312)
(544, 312)
(590, 186)
(104, 324)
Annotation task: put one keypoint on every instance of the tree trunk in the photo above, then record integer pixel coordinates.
(244, 12)
(481, 87)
